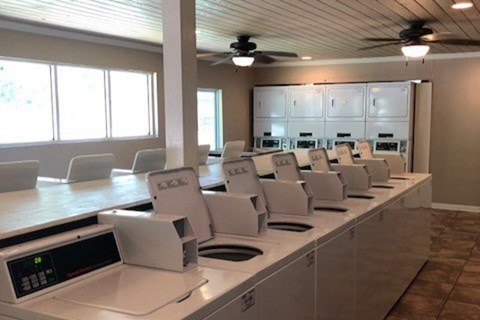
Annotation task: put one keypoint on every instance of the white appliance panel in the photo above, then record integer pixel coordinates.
(348, 130)
(270, 103)
(273, 299)
(336, 277)
(298, 129)
(369, 268)
(242, 308)
(388, 102)
(307, 102)
(270, 128)
(346, 102)
(388, 130)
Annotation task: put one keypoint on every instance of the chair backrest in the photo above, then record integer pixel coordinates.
(149, 160)
(18, 175)
(90, 167)
(319, 160)
(365, 149)
(344, 154)
(203, 151)
(233, 149)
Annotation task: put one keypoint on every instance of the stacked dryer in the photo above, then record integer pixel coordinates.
(289, 117)
(270, 117)
(345, 114)
(306, 118)
(389, 119)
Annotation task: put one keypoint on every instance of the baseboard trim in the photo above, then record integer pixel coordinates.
(455, 207)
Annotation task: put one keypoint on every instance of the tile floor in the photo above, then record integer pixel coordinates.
(448, 286)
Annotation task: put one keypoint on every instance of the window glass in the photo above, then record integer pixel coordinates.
(129, 104)
(81, 100)
(25, 102)
(207, 118)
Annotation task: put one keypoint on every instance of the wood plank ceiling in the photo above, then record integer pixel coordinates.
(323, 29)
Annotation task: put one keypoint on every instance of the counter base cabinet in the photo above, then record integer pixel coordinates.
(289, 293)
(236, 310)
(336, 277)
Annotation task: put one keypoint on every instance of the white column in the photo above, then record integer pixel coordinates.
(180, 83)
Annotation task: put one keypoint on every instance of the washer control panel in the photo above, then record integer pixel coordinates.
(33, 267)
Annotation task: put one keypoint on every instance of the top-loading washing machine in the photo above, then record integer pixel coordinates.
(378, 167)
(284, 270)
(83, 274)
(331, 227)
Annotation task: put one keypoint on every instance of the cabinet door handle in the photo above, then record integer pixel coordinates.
(294, 103)
(374, 102)
(333, 102)
(259, 104)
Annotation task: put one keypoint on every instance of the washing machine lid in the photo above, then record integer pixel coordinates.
(344, 154)
(365, 149)
(286, 167)
(319, 160)
(241, 177)
(134, 290)
(178, 191)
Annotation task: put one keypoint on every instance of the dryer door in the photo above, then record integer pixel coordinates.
(388, 102)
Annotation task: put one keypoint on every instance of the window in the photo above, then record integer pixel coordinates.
(130, 104)
(81, 103)
(48, 102)
(25, 102)
(209, 118)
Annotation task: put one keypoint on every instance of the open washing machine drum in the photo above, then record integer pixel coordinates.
(289, 226)
(229, 252)
(178, 191)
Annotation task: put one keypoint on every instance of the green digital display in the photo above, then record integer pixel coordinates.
(37, 260)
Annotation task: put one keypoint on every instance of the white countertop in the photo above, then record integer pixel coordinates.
(30, 210)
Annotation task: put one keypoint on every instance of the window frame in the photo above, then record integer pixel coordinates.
(218, 116)
(153, 126)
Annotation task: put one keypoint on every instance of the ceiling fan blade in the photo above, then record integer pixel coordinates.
(381, 39)
(277, 54)
(381, 45)
(210, 54)
(459, 42)
(221, 60)
(260, 58)
(437, 36)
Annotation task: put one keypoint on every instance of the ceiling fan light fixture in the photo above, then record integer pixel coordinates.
(243, 61)
(462, 5)
(415, 51)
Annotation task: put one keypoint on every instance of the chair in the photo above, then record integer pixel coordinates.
(233, 149)
(149, 160)
(203, 151)
(18, 175)
(90, 167)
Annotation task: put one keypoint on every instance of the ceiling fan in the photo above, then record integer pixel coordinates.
(243, 53)
(416, 39)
